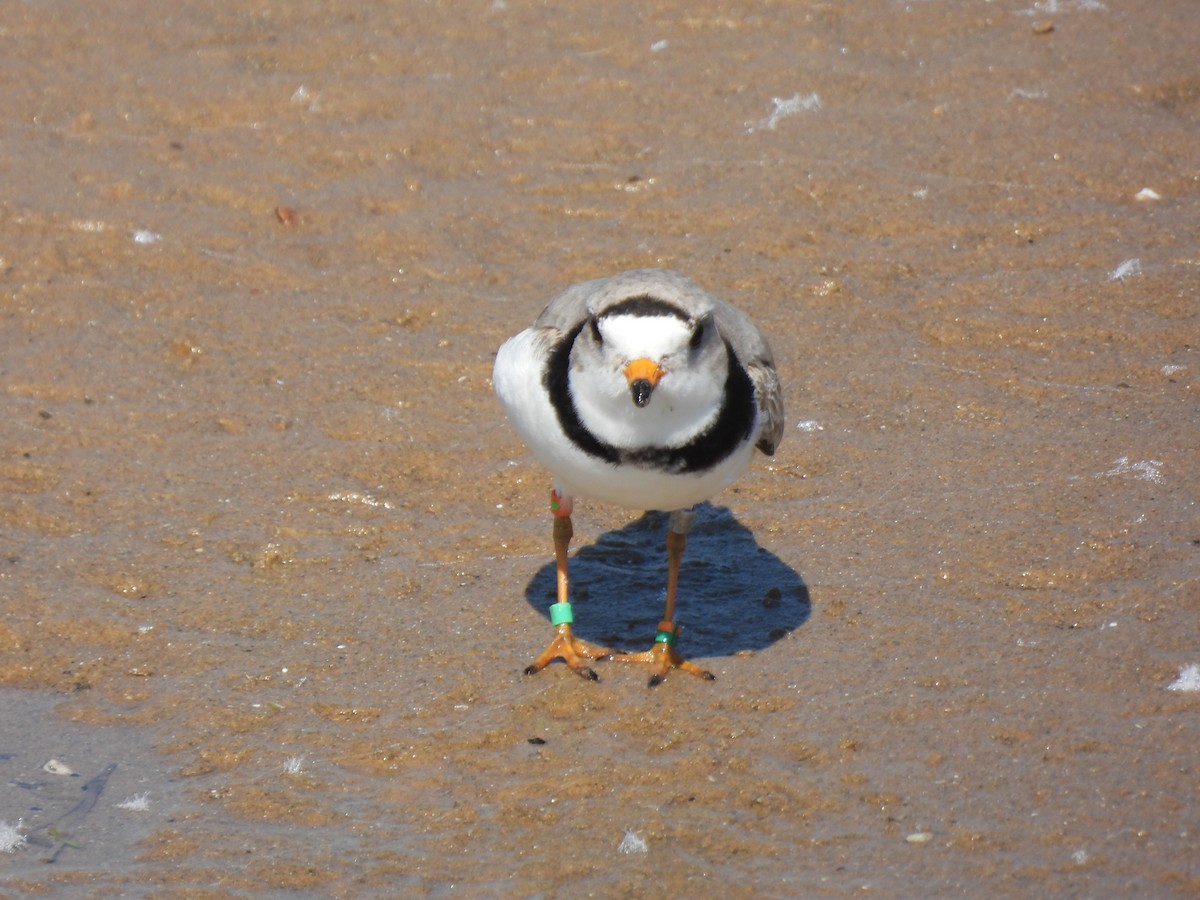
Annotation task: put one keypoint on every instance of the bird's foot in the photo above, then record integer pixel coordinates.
(663, 657)
(571, 650)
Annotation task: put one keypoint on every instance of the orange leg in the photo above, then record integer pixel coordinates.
(564, 645)
(663, 656)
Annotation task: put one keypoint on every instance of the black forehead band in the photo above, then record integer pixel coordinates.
(645, 305)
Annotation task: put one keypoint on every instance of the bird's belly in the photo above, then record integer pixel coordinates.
(635, 486)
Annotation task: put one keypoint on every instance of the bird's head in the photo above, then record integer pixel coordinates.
(648, 372)
(643, 345)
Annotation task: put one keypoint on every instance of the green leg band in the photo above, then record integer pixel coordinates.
(670, 638)
(560, 614)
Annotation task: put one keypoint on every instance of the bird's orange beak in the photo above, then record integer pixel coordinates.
(644, 370)
(643, 375)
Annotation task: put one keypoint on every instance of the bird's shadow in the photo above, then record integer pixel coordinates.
(733, 594)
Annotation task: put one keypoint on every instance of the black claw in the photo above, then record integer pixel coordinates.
(590, 675)
(655, 681)
(709, 676)
(531, 670)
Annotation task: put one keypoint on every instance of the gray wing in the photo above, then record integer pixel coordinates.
(770, 403)
(569, 308)
(752, 349)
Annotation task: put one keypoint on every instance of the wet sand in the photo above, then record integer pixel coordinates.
(267, 543)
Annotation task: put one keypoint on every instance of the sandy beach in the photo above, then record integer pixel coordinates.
(268, 545)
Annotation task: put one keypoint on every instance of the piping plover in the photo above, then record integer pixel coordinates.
(644, 391)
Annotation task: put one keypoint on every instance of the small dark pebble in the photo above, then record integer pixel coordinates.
(536, 741)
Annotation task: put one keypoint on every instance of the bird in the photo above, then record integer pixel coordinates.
(645, 391)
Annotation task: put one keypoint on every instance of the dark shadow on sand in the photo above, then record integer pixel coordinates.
(733, 594)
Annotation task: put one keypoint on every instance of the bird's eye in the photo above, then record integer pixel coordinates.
(697, 335)
(594, 326)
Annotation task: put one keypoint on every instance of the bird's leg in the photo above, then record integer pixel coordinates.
(663, 656)
(564, 645)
